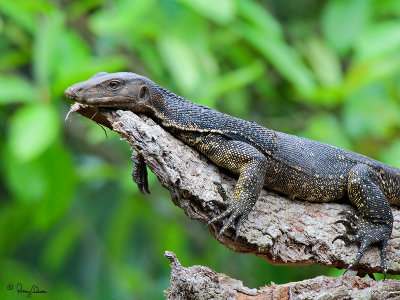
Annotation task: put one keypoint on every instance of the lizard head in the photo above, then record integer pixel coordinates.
(121, 90)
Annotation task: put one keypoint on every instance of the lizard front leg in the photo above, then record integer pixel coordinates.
(242, 159)
(374, 223)
(246, 193)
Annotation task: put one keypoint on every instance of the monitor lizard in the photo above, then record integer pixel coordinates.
(298, 167)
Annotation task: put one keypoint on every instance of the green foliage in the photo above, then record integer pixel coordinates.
(71, 220)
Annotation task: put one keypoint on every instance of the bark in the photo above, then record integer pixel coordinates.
(199, 282)
(280, 230)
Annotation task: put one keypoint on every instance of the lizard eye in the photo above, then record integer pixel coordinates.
(114, 84)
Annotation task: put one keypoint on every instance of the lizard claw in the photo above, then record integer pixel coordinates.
(220, 217)
(234, 212)
(366, 233)
(345, 239)
(139, 173)
(350, 226)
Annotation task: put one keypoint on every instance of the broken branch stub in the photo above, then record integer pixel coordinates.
(199, 282)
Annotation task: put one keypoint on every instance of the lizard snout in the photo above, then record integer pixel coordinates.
(70, 93)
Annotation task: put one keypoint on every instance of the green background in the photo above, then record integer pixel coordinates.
(71, 219)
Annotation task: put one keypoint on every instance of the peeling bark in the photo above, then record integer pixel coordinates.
(280, 230)
(199, 282)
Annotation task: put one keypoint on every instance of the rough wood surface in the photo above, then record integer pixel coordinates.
(199, 282)
(280, 230)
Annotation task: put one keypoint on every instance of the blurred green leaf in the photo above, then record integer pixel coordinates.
(324, 62)
(326, 128)
(284, 59)
(11, 59)
(27, 181)
(391, 154)
(180, 61)
(16, 11)
(60, 186)
(363, 74)
(15, 224)
(369, 113)
(43, 185)
(47, 33)
(16, 89)
(343, 21)
(60, 246)
(122, 15)
(235, 79)
(378, 40)
(387, 8)
(221, 11)
(255, 14)
(33, 129)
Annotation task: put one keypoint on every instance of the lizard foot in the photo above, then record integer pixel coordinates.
(236, 211)
(366, 233)
(139, 173)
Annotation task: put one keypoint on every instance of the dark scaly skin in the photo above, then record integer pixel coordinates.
(296, 166)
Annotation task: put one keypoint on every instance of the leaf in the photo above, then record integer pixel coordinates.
(370, 112)
(16, 89)
(390, 155)
(57, 250)
(284, 58)
(378, 40)
(45, 50)
(258, 16)
(221, 11)
(60, 179)
(33, 129)
(388, 8)
(26, 180)
(324, 62)
(326, 128)
(125, 15)
(15, 222)
(235, 79)
(361, 74)
(343, 21)
(15, 11)
(181, 62)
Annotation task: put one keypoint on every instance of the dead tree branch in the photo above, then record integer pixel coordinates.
(199, 282)
(280, 230)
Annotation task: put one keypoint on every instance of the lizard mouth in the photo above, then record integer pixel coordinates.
(106, 101)
(110, 102)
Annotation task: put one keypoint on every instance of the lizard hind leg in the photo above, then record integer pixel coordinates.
(374, 222)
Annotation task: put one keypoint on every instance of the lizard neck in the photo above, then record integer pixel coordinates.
(175, 111)
(178, 114)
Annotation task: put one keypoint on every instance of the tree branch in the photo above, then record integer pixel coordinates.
(280, 230)
(199, 282)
